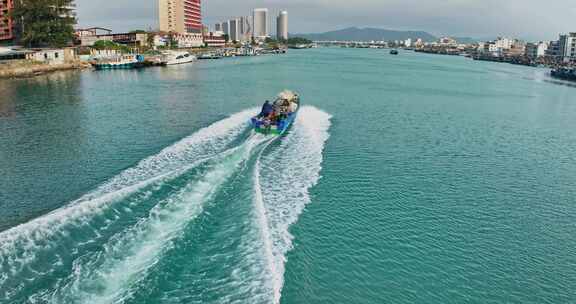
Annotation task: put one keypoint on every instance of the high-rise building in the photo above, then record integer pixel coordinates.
(180, 16)
(218, 27)
(234, 25)
(282, 26)
(6, 23)
(260, 23)
(245, 28)
(226, 28)
(567, 47)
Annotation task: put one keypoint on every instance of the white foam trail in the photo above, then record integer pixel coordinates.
(262, 221)
(290, 171)
(126, 260)
(27, 238)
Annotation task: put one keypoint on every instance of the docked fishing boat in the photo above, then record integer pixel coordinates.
(208, 56)
(564, 73)
(173, 58)
(276, 117)
(121, 63)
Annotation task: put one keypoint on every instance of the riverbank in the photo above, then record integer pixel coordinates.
(24, 68)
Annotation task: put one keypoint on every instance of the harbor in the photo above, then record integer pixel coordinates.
(456, 137)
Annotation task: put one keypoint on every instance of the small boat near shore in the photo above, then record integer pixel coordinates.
(394, 52)
(276, 117)
(174, 58)
(208, 56)
(564, 73)
(121, 63)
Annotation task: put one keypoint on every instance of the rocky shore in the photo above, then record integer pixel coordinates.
(22, 69)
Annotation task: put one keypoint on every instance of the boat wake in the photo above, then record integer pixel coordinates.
(109, 246)
(290, 171)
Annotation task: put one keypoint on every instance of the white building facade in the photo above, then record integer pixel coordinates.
(567, 47)
(536, 50)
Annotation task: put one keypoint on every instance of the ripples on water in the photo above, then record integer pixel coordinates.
(443, 180)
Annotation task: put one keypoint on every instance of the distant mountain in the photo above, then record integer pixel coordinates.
(368, 34)
(466, 40)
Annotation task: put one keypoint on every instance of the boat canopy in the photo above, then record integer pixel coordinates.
(288, 95)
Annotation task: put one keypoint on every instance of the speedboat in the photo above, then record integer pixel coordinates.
(394, 52)
(179, 58)
(276, 117)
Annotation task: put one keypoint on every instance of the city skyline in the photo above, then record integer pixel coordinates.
(478, 19)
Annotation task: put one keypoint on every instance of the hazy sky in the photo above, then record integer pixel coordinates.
(528, 19)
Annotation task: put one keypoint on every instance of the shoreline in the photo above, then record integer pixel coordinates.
(28, 69)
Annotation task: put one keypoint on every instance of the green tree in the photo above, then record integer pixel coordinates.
(150, 39)
(44, 23)
(110, 45)
(298, 40)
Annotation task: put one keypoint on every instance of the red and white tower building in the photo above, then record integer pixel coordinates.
(180, 16)
(193, 16)
(6, 22)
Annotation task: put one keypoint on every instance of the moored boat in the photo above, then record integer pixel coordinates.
(174, 58)
(276, 117)
(121, 62)
(564, 73)
(207, 56)
(394, 52)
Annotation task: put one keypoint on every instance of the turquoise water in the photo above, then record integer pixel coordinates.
(405, 179)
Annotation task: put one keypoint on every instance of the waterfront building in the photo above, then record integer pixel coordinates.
(536, 50)
(503, 47)
(408, 42)
(567, 47)
(53, 56)
(553, 50)
(488, 47)
(92, 31)
(180, 16)
(129, 39)
(517, 49)
(189, 40)
(447, 41)
(282, 26)
(214, 39)
(503, 43)
(260, 23)
(6, 23)
(234, 27)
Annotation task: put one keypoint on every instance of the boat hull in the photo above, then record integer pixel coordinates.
(280, 128)
(124, 66)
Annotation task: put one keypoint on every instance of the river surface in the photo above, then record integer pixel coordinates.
(405, 179)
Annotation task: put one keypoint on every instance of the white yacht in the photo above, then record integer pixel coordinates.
(173, 58)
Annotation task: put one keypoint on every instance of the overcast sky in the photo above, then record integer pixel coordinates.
(528, 19)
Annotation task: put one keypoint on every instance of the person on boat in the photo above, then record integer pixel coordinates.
(267, 109)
